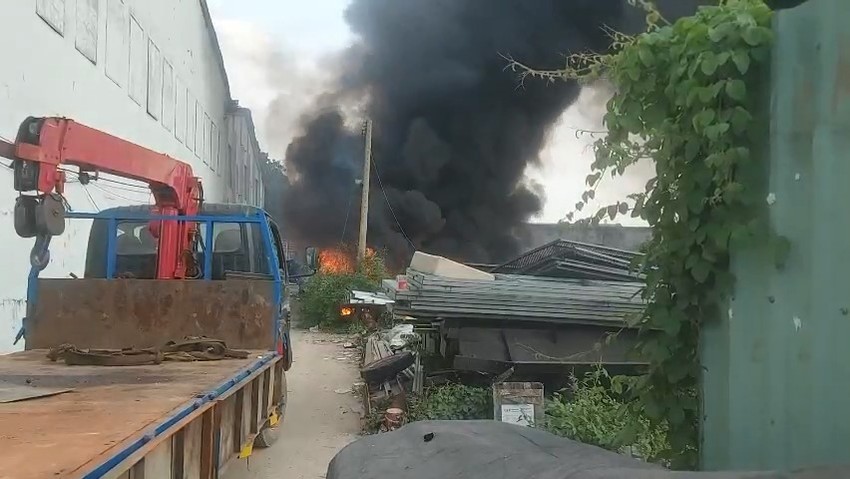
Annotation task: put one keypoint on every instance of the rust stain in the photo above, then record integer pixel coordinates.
(94, 313)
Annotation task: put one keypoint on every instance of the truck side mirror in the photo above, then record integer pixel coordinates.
(312, 257)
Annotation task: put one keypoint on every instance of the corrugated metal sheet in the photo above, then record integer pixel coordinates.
(572, 259)
(777, 367)
(516, 298)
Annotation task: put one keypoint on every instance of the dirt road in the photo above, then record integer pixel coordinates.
(321, 417)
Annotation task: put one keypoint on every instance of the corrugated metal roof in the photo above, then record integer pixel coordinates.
(516, 298)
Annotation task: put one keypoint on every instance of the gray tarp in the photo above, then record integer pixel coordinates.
(494, 450)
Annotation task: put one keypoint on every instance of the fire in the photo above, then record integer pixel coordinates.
(335, 261)
(340, 260)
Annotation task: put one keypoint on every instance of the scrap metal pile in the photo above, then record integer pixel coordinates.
(489, 322)
(535, 318)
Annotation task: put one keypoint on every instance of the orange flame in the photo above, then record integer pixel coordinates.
(340, 260)
(335, 261)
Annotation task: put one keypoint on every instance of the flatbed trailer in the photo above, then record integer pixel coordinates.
(170, 420)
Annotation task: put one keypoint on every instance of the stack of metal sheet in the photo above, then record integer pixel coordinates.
(509, 297)
(572, 259)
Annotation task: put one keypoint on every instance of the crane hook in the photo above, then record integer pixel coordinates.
(40, 252)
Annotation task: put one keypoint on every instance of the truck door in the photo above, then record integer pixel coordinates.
(285, 307)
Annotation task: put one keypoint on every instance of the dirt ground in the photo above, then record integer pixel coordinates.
(322, 416)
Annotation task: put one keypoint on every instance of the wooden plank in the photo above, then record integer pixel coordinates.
(158, 462)
(192, 435)
(178, 455)
(142, 452)
(267, 390)
(138, 470)
(238, 420)
(255, 406)
(247, 425)
(210, 423)
(228, 418)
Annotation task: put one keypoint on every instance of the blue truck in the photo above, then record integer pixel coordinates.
(136, 370)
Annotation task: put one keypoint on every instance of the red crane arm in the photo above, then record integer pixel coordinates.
(59, 141)
(48, 143)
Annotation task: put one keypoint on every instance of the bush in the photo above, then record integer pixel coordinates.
(595, 412)
(322, 295)
(452, 402)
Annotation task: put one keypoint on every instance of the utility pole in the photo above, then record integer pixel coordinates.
(364, 198)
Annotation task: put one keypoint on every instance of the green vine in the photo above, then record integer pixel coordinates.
(684, 98)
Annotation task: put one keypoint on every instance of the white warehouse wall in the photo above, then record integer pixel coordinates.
(148, 71)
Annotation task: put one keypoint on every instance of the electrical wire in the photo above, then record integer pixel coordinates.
(134, 191)
(387, 199)
(91, 198)
(116, 195)
(119, 182)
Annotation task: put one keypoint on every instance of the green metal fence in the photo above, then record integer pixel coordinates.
(776, 386)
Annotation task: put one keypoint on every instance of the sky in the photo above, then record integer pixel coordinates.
(274, 52)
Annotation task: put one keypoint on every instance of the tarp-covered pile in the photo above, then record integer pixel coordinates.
(490, 449)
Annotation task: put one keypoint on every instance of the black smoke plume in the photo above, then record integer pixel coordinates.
(453, 129)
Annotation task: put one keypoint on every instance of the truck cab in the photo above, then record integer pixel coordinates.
(238, 249)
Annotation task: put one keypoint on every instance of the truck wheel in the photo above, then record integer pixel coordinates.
(268, 434)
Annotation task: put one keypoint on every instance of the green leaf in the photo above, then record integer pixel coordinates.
(703, 119)
(706, 94)
(714, 132)
(736, 89)
(623, 208)
(637, 211)
(669, 324)
(709, 63)
(650, 185)
(719, 33)
(612, 211)
(740, 119)
(741, 59)
(700, 271)
(756, 36)
(646, 56)
(692, 149)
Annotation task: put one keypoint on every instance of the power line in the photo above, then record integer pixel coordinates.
(387, 199)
